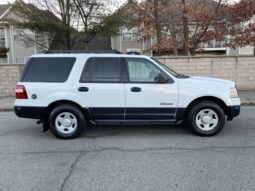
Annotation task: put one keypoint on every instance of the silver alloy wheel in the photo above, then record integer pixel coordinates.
(207, 119)
(66, 123)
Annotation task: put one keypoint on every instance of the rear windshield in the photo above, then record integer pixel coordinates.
(48, 69)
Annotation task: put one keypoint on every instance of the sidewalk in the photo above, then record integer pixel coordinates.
(247, 97)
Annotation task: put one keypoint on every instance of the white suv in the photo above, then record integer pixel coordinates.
(65, 91)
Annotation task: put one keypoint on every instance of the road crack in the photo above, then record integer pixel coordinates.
(121, 149)
(71, 169)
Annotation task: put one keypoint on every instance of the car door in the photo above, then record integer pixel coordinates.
(102, 88)
(150, 92)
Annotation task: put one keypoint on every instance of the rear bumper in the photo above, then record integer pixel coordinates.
(30, 112)
(233, 111)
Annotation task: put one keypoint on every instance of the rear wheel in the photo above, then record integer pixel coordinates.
(66, 121)
(206, 118)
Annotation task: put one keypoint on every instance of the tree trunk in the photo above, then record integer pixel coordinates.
(193, 51)
(185, 29)
(157, 23)
(175, 45)
(68, 41)
(175, 51)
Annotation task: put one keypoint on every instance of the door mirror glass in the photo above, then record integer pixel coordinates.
(160, 78)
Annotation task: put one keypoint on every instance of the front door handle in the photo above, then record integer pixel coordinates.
(136, 89)
(83, 89)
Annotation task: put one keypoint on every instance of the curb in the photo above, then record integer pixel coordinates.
(6, 109)
(248, 104)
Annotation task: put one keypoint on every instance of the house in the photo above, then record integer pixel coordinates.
(20, 47)
(22, 43)
(129, 40)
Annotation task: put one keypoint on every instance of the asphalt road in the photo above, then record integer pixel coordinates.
(127, 158)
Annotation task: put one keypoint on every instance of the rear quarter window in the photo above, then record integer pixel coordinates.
(48, 69)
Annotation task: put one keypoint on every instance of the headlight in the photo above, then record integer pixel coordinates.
(233, 93)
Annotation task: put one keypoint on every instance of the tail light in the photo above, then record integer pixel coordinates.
(21, 92)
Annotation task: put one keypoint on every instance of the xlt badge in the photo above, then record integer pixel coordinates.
(166, 104)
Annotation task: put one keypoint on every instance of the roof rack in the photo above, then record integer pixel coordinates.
(82, 51)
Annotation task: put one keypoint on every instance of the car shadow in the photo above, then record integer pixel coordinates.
(107, 130)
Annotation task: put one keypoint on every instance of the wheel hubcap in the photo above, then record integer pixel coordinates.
(207, 119)
(66, 123)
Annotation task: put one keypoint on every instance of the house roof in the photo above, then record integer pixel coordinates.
(3, 8)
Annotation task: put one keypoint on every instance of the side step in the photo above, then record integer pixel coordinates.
(134, 122)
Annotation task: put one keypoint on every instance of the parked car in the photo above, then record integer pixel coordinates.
(66, 91)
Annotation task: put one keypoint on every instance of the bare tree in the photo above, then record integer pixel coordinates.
(186, 23)
(54, 17)
(67, 20)
(241, 24)
(96, 18)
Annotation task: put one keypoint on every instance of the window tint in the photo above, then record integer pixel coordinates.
(101, 70)
(141, 70)
(48, 69)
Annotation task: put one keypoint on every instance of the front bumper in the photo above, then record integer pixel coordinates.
(233, 111)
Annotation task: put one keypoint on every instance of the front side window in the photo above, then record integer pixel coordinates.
(48, 69)
(142, 70)
(101, 70)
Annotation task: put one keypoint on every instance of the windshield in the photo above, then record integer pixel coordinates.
(175, 74)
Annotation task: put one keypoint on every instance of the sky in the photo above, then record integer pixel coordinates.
(5, 1)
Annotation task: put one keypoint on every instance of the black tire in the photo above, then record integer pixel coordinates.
(76, 112)
(202, 106)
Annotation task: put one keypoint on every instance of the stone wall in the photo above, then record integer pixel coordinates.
(9, 75)
(239, 69)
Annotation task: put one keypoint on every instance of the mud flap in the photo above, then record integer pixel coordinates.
(45, 126)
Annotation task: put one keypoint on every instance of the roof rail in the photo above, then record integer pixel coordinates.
(82, 51)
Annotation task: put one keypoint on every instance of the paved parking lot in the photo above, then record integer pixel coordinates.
(127, 158)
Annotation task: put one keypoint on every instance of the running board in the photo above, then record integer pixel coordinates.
(134, 122)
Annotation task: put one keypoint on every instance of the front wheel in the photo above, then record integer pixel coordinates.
(206, 118)
(66, 121)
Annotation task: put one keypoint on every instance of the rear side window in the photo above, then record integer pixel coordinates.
(101, 70)
(48, 69)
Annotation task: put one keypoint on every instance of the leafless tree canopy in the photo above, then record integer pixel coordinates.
(70, 19)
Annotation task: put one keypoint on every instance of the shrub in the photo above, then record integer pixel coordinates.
(3, 52)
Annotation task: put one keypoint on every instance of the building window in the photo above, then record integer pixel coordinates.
(2, 37)
(130, 34)
(214, 43)
(21, 60)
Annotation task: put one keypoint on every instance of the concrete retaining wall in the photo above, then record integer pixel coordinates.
(238, 69)
(9, 75)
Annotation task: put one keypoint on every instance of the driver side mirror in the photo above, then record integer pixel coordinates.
(160, 78)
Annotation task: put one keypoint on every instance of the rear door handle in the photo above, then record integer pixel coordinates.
(83, 89)
(136, 89)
